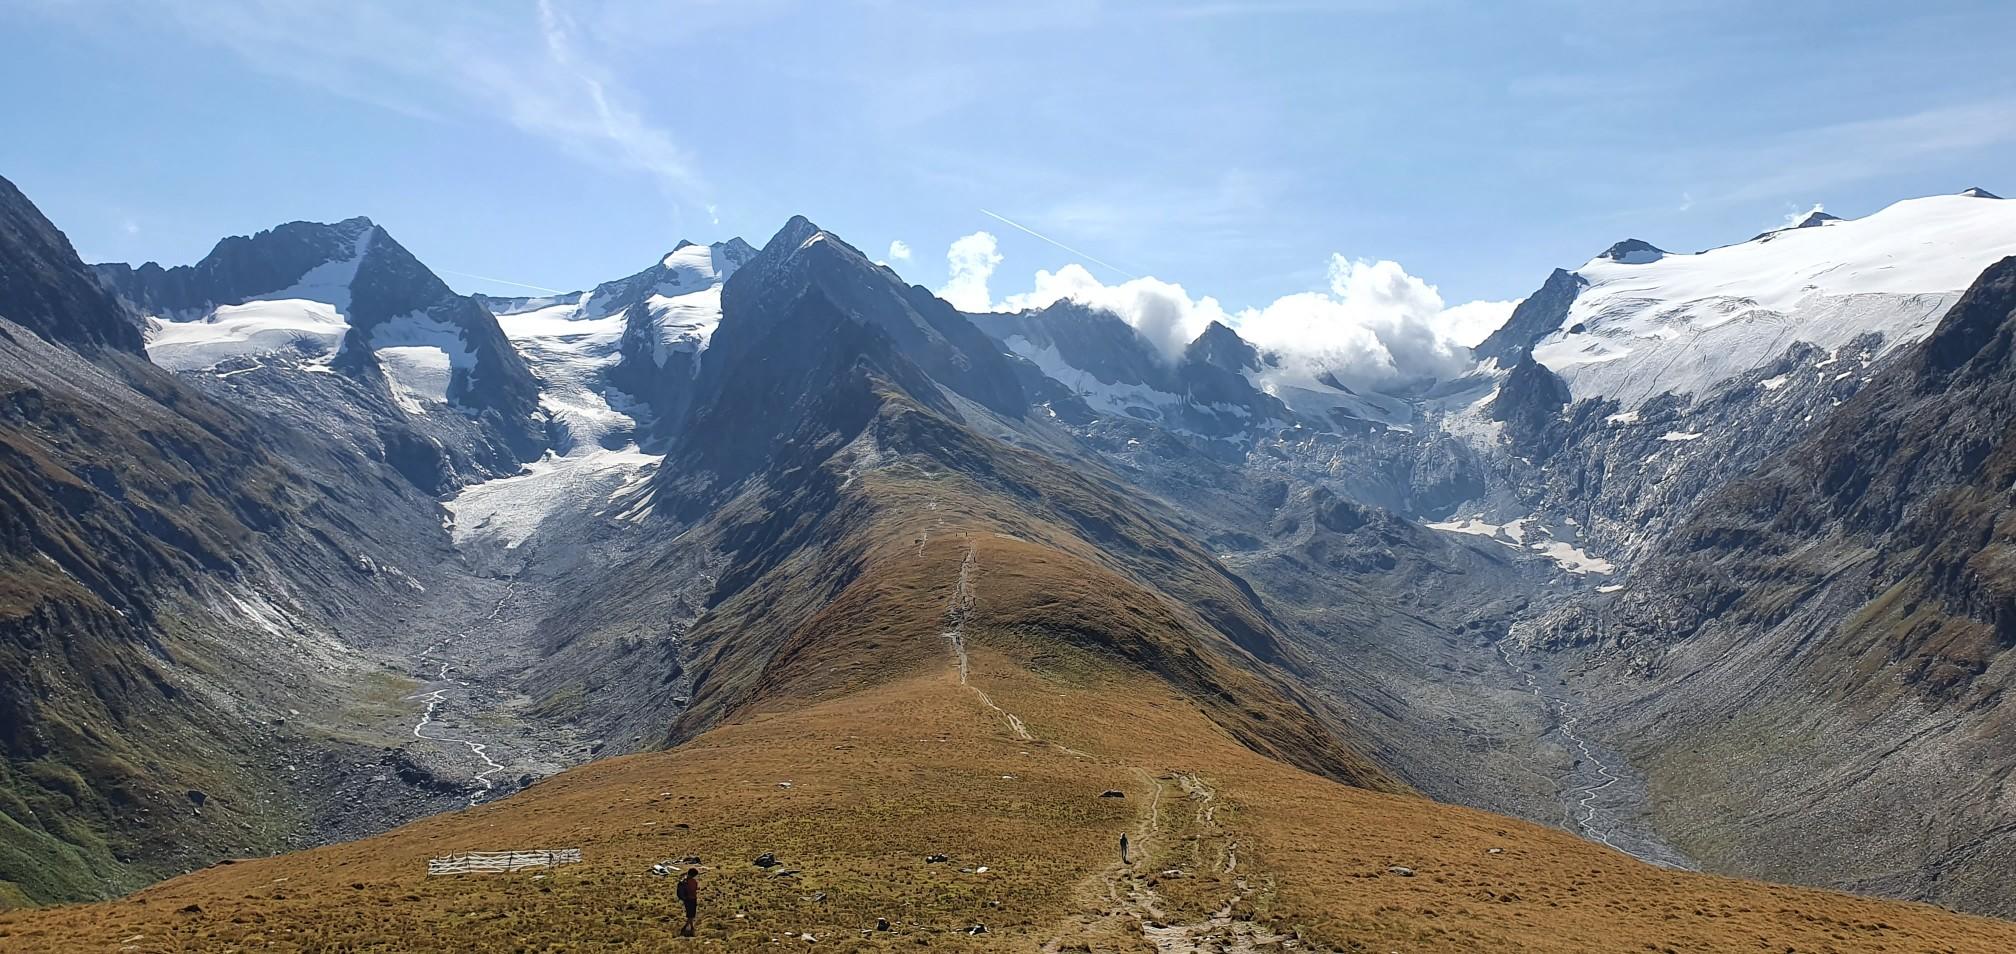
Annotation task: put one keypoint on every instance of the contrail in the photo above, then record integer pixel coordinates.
(1046, 238)
(500, 281)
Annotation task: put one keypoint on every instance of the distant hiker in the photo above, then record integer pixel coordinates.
(1123, 850)
(689, 895)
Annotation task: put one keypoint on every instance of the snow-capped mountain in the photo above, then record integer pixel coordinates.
(620, 358)
(307, 297)
(1679, 372)
(1832, 635)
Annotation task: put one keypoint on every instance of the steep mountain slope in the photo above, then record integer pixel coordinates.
(171, 572)
(1830, 637)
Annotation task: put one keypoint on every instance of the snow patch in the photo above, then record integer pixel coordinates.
(420, 355)
(1573, 558)
(508, 511)
(310, 316)
(684, 322)
(1682, 436)
(419, 373)
(1477, 527)
(1115, 398)
(237, 331)
(1564, 554)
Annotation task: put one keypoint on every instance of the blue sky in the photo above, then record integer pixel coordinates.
(1244, 150)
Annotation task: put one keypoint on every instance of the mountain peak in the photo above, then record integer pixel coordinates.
(1220, 346)
(1633, 252)
(797, 231)
(1816, 218)
(1976, 192)
(1539, 315)
(45, 289)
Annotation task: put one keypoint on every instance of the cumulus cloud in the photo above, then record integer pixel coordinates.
(1375, 326)
(970, 262)
(1795, 217)
(899, 251)
(1163, 312)
(1470, 323)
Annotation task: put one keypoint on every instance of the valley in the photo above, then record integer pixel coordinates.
(765, 551)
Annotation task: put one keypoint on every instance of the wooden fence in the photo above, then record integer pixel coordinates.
(476, 862)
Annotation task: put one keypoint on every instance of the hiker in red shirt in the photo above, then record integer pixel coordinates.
(689, 895)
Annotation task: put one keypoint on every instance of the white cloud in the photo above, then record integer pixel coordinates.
(1163, 312)
(1795, 217)
(1375, 326)
(899, 251)
(970, 262)
(543, 74)
(1470, 323)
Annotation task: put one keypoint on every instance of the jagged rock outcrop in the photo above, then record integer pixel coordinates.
(1539, 315)
(1529, 401)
